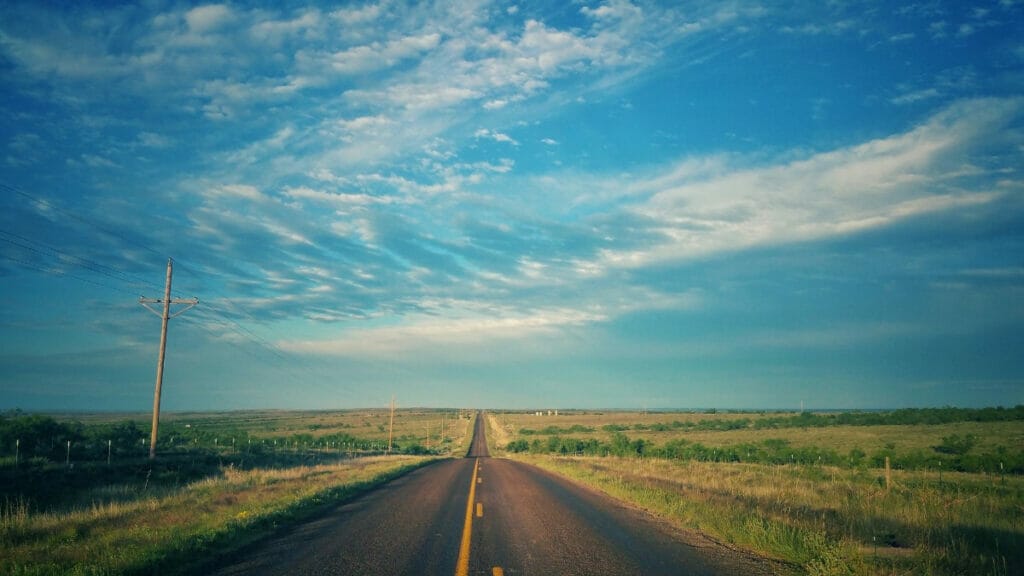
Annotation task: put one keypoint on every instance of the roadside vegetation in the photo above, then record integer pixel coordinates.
(79, 496)
(809, 489)
(131, 528)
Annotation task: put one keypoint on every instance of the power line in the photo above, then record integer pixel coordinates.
(221, 316)
(55, 272)
(47, 251)
(87, 221)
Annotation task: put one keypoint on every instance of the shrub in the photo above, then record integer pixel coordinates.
(517, 446)
(956, 444)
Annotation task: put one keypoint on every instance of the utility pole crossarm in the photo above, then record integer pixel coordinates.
(191, 302)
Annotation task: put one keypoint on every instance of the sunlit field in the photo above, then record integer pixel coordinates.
(366, 428)
(78, 494)
(806, 490)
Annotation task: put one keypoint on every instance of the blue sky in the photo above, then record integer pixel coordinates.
(536, 204)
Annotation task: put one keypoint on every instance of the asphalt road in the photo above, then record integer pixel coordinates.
(515, 519)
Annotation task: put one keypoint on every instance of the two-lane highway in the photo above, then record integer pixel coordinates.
(484, 516)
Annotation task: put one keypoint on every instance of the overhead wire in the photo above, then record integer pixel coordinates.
(82, 219)
(46, 250)
(208, 310)
(52, 271)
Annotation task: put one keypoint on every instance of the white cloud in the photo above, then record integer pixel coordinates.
(878, 183)
(378, 56)
(206, 18)
(419, 98)
(361, 15)
(366, 124)
(496, 136)
(341, 200)
(465, 332)
(97, 161)
(243, 191)
(152, 140)
(916, 96)
(308, 24)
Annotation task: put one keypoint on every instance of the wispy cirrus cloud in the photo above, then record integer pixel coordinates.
(458, 336)
(467, 181)
(705, 207)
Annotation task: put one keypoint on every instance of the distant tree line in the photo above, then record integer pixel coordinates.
(39, 439)
(33, 436)
(954, 453)
(903, 417)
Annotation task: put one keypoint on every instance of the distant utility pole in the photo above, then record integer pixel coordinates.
(391, 426)
(164, 316)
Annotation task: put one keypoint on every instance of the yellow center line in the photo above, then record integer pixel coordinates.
(462, 567)
(497, 571)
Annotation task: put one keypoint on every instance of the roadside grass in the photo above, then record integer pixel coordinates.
(497, 435)
(169, 530)
(822, 520)
(817, 516)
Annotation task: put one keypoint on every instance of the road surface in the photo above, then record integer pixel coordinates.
(484, 516)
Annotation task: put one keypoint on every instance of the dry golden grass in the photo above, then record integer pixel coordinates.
(497, 434)
(827, 520)
(841, 439)
(148, 530)
(824, 520)
(871, 439)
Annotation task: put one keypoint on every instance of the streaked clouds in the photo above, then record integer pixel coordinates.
(643, 195)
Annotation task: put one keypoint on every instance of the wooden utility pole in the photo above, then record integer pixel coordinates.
(391, 426)
(165, 316)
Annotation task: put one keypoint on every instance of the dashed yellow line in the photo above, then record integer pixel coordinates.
(497, 571)
(462, 567)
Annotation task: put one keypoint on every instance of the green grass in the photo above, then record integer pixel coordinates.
(818, 519)
(999, 445)
(826, 521)
(221, 480)
(164, 530)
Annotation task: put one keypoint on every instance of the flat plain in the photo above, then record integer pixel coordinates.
(78, 494)
(810, 492)
(809, 489)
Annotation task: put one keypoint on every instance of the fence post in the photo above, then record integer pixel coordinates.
(17, 452)
(888, 474)
(67, 461)
(108, 452)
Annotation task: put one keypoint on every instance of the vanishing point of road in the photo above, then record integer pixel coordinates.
(486, 516)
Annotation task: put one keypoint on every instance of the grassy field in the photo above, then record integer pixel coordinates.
(820, 518)
(993, 445)
(202, 498)
(841, 438)
(238, 428)
(132, 529)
